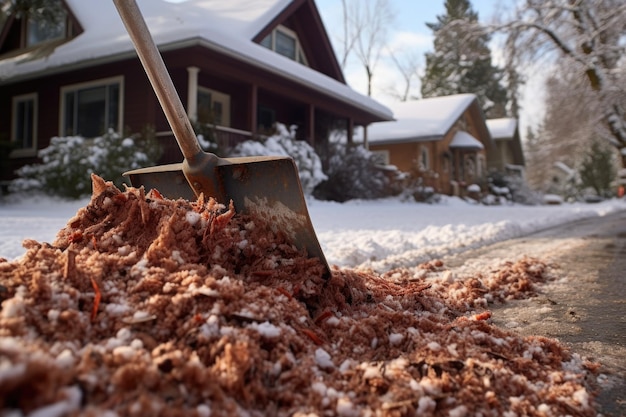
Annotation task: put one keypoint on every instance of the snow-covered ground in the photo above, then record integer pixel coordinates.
(380, 234)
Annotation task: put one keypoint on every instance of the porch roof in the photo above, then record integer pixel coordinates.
(464, 140)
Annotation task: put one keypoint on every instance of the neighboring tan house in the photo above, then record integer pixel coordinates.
(506, 156)
(238, 64)
(442, 140)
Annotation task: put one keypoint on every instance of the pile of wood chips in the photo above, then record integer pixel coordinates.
(145, 306)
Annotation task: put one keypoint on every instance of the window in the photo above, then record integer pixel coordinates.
(480, 165)
(39, 31)
(24, 128)
(285, 42)
(424, 163)
(266, 118)
(90, 110)
(470, 168)
(381, 156)
(213, 107)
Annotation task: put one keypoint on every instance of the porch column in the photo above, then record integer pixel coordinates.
(192, 93)
(350, 129)
(310, 122)
(365, 142)
(254, 104)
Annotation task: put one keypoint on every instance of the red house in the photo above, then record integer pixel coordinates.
(238, 65)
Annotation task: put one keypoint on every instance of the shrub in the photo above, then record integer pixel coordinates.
(68, 162)
(283, 143)
(354, 173)
(512, 188)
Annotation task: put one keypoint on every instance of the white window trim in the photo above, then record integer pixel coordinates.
(299, 51)
(219, 97)
(24, 152)
(94, 83)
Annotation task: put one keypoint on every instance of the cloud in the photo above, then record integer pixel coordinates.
(410, 40)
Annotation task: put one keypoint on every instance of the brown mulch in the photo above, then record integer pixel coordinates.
(153, 307)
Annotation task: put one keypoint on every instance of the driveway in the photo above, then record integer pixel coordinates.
(584, 307)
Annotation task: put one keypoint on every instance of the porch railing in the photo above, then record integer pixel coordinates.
(225, 138)
(228, 137)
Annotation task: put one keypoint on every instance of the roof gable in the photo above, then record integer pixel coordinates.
(303, 18)
(15, 38)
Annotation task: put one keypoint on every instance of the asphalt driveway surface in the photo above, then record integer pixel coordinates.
(584, 307)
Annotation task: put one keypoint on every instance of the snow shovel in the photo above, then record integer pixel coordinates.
(267, 187)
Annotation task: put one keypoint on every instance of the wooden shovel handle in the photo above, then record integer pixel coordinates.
(159, 77)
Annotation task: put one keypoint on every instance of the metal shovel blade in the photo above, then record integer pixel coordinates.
(267, 187)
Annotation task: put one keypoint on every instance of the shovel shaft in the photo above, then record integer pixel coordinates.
(159, 77)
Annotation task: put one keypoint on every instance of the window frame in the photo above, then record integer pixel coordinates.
(102, 82)
(15, 101)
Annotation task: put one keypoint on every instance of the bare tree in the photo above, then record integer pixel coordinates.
(567, 128)
(587, 35)
(409, 66)
(365, 32)
(351, 31)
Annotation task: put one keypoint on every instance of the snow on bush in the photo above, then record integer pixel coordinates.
(68, 162)
(284, 143)
(354, 173)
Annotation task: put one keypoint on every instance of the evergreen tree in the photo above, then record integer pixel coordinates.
(597, 170)
(461, 61)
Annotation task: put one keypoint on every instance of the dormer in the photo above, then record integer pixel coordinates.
(298, 33)
(24, 32)
(285, 42)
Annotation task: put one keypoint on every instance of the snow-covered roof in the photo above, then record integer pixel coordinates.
(426, 119)
(464, 140)
(566, 169)
(503, 128)
(224, 26)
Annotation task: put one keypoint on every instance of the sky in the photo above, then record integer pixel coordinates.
(377, 234)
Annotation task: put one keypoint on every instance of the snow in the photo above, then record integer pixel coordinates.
(503, 128)
(379, 234)
(427, 118)
(464, 140)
